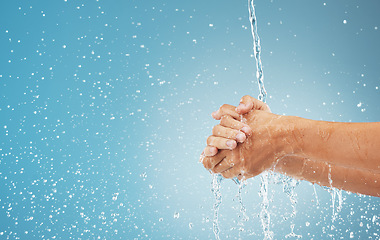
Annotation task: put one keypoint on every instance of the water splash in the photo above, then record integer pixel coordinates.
(316, 195)
(292, 234)
(264, 213)
(243, 215)
(334, 193)
(289, 185)
(216, 180)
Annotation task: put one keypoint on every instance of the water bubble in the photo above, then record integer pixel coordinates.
(176, 215)
(345, 21)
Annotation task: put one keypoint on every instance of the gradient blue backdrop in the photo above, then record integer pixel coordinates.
(105, 107)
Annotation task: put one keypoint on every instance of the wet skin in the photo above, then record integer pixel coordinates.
(333, 154)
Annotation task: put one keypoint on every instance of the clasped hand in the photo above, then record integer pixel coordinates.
(248, 140)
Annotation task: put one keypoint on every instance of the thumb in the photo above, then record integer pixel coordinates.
(247, 103)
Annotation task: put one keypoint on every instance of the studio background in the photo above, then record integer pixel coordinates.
(105, 107)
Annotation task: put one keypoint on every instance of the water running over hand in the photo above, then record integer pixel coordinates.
(264, 214)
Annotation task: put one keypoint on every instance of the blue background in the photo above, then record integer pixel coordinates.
(105, 107)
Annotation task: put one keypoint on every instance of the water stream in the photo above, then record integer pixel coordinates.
(264, 214)
(289, 184)
(216, 180)
(257, 51)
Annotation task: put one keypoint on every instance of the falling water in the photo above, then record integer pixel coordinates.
(335, 192)
(292, 234)
(264, 214)
(289, 184)
(243, 215)
(216, 180)
(257, 51)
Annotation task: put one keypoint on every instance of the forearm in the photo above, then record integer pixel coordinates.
(352, 145)
(330, 175)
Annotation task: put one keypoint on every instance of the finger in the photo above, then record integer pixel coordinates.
(247, 103)
(210, 151)
(231, 173)
(229, 122)
(211, 162)
(225, 109)
(223, 165)
(230, 133)
(221, 143)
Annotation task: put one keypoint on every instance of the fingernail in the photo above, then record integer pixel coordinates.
(231, 144)
(240, 137)
(247, 130)
(213, 114)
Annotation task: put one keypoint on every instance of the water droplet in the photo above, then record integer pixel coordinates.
(114, 197)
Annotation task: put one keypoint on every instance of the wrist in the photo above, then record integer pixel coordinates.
(307, 137)
(290, 129)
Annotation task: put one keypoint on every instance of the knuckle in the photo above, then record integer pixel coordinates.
(225, 119)
(245, 97)
(215, 129)
(224, 106)
(225, 109)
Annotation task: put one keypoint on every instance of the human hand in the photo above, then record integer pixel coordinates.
(227, 137)
(227, 134)
(262, 149)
